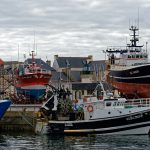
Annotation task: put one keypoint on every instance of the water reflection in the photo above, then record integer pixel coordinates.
(94, 142)
(69, 142)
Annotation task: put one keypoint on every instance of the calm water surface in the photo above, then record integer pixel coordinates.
(95, 142)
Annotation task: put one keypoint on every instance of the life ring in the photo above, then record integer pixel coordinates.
(90, 108)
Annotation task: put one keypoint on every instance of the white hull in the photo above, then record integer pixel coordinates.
(138, 131)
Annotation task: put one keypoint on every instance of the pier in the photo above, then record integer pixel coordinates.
(20, 118)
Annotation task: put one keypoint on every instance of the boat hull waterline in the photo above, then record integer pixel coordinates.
(137, 123)
(131, 81)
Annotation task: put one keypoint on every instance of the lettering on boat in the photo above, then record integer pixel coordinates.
(134, 117)
(27, 77)
(68, 124)
(134, 72)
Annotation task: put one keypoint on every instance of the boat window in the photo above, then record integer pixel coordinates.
(82, 92)
(38, 70)
(141, 56)
(43, 70)
(137, 56)
(108, 104)
(118, 103)
(114, 104)
(133, 56)
(129, 56)
(89, 92)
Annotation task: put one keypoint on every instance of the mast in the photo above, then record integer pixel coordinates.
(135, 38)
(33, 51)
(33, 59)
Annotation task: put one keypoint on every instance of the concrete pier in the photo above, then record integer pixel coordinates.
(20, 118)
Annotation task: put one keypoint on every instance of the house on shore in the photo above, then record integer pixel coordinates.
(79, 74)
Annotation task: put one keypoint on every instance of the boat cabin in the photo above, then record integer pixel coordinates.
(30, 69)
(114, 103)
(130, 55)
(107, 107)
(133, 58)
(105, 104)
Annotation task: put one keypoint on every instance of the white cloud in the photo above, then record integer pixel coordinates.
(68, 27)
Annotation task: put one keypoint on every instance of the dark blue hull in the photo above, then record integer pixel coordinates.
(139, 74)
(34, 94)
(4, 105)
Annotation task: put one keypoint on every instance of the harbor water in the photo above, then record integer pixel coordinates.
(94, 142)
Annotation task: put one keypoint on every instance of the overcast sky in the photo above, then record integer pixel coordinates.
(69, 27)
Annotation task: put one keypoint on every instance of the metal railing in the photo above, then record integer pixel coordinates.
(141, 102)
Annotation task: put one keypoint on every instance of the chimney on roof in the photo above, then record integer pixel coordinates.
(89, 58)
(48, 62)
(55, 57)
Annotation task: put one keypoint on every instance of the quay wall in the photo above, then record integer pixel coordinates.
(20, 118)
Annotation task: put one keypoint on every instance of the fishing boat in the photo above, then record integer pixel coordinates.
(4, 105)
(129, 68)
(110, 115)
(32, 80)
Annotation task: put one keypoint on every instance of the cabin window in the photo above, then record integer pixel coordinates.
(108, 104)
(114, 104)
(137, 56)
(118, 104)
(141, 56)
(76, 93)
(44, 70)
(89, 92)
(133, 56)
(82, 92)
(129, 56)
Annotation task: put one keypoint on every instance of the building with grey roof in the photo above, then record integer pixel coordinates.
(75, 63)
(80, 74)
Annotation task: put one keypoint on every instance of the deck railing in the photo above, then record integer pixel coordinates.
(142, 102)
